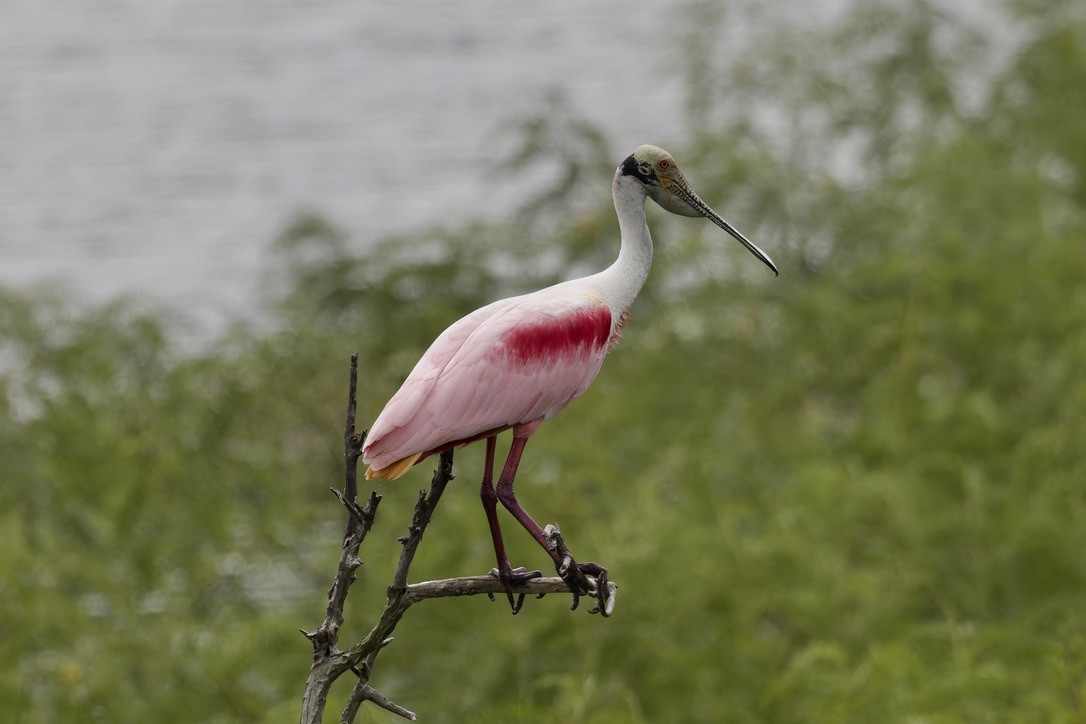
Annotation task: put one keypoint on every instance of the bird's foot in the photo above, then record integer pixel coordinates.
(583, 579)
(511, 577)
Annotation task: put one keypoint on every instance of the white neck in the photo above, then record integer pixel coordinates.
(620, 282)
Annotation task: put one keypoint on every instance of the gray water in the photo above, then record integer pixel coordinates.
(155, 147)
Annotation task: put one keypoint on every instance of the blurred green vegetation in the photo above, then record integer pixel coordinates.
(854, 493)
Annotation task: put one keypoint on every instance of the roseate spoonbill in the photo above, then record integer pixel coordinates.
(519, 361)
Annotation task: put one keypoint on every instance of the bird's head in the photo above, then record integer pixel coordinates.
(665, 184)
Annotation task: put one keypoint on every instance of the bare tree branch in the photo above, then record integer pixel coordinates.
(358, 524)
(329, 662)
(364, 692)
(489, 585)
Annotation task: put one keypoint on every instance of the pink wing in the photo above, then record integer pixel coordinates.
(515, 361)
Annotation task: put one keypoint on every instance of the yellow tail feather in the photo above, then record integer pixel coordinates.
(393, 471)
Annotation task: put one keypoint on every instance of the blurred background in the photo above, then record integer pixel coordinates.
(153, 148)
(851, 493)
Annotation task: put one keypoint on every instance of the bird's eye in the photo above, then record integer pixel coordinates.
(663, 164)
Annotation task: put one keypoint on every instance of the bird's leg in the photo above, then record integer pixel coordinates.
(505, 572)
(490, 505)
(509, 498)
(574, 574)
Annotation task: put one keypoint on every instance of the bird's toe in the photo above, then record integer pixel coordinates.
(513, 577)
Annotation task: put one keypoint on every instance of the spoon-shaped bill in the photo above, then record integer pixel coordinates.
(687, 194)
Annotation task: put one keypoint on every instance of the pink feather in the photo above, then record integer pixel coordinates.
(513, 362)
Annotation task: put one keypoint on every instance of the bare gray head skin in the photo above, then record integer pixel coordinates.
(665, 184)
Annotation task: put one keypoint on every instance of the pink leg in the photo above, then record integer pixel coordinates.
(509, 498)
(506, 573)
(490, 505)
(572, 574)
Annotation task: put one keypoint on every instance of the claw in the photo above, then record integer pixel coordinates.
(519, 602)
(582, 579)
(605, 590)
(510, 578)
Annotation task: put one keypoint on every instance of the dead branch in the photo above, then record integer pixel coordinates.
(329, 662)
(489, 585)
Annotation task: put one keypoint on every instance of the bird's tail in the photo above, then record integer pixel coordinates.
(393, 471)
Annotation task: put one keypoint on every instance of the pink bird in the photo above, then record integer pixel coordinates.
(519, 361)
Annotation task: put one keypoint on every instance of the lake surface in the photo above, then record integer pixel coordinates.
(156, 147)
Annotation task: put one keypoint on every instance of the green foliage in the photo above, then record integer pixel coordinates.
(853, 493)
